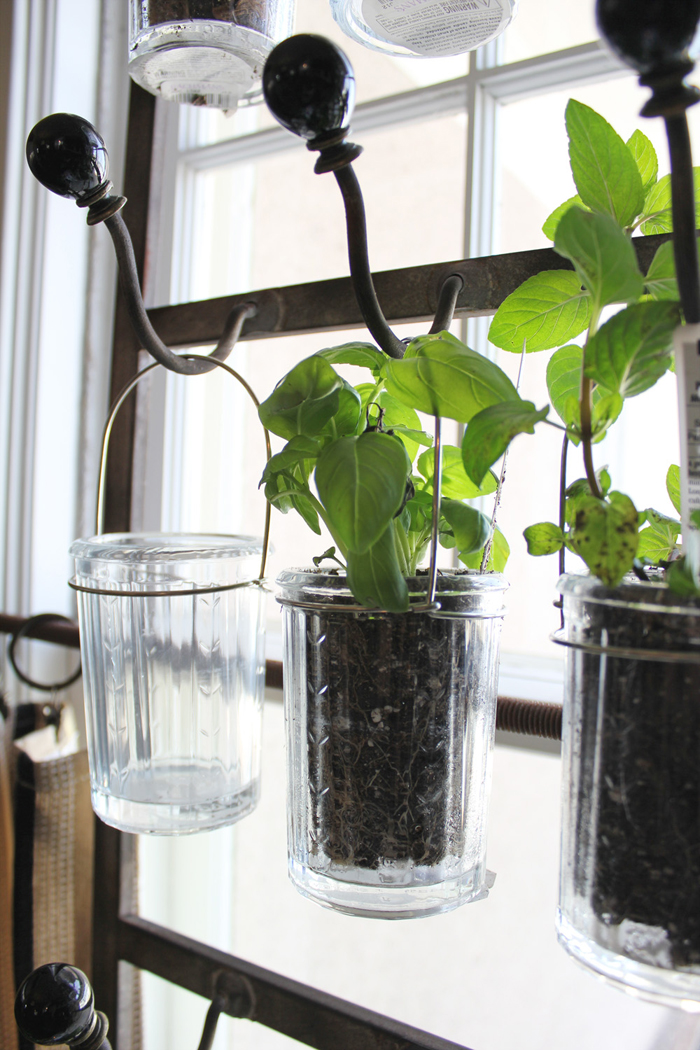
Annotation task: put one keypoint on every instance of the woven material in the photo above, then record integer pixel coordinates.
(8, 1031)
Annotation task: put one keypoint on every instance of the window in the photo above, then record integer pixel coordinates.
(464, 157)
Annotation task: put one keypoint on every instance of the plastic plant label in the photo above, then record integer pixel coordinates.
(687, 351)
(438, 28)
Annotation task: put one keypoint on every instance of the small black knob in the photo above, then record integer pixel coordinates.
(652, 36)
(54, 1005)
(309, 86)
(68, 156)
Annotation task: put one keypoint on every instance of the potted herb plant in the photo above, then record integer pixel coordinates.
(630, 898)
(390, 699)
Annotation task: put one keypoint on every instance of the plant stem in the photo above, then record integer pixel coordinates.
(586, 401)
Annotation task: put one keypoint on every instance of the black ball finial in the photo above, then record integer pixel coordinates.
(309, 87)
(54, 1005)
(68, 156)
(651, 36)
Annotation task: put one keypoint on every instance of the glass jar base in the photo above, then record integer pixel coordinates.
(654, 984)
(390, 902)
(174, 818)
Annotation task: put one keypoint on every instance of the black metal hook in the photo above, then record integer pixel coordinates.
(68, 156)
(35, 621)
(309, 87)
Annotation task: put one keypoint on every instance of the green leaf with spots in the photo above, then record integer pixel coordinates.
(442, 376)
(455, 482)
(604, 535)
(304, 401)
(361, 482)
(545, 311)
(375, 577)
(645, 158)
(543, 538)
(673, 485)
(660, 281)
(633, 349)
(549, 228)
(491, 431)
(602, 254)
(468, 525)
(659, 540)
(604, 169)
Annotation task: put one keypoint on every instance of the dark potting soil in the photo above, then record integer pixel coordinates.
(386, 728)
(250, 13)
(646, 819)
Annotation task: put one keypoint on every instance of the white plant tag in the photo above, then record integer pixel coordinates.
(437, 28)
(687, 351)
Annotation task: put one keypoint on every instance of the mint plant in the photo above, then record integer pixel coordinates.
(357, 459)
(619, 193)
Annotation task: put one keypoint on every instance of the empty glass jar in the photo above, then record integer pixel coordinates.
(172, 643)
(205, 52)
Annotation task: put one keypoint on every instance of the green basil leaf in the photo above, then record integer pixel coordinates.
(403, 420)
(492, 430)
(304, 401)
(455, 482)
(604, 534)
(364, 355)
(673, 485)
(658, 215)
(545, 311)
(660, 281)
(645, 158)
(361, 482)
(347, 417)
(552, 221)
(442, 376)
(283, 492)
(604, 169)
(602, 254)
(374, 576)
(633, 349)
(543, 538)
(299, 451)
(469, 526)
(498, 556)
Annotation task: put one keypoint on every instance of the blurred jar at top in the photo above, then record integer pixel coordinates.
(205, 52)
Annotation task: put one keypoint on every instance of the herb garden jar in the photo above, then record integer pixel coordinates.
(390, 724)
(630, 877)
(205, 52)
(172, 645)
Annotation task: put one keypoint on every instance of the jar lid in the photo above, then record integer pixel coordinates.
(164, 547)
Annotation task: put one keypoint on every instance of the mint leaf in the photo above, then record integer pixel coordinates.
(673, 485)
(564, 380)
(545, 311)
(442, 376)
(681, 579)
(658, 214)
(497, 559)
(543, 538)
(552, 221)
(633, 349)
(604, 534)
(491, 431)
(660, 280)
(375, 577)
(604, 169)
(645, 158)
(602, 254)
(361, 482)
(304, 401)
(658, 542)
(455, 482)
(605, 411)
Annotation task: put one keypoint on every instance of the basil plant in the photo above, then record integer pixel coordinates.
(357, 459)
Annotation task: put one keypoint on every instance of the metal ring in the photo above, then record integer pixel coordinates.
(34, 621)
(164, 594)
(329, 607)
(621, 652)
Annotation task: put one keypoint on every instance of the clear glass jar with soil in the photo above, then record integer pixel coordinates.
(629, 904)
(390, 727)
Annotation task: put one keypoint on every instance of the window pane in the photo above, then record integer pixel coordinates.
(541, 26)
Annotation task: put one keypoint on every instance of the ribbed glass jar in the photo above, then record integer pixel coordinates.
(173, 682)
(390, 727)
(629, 904)
(205, 52)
